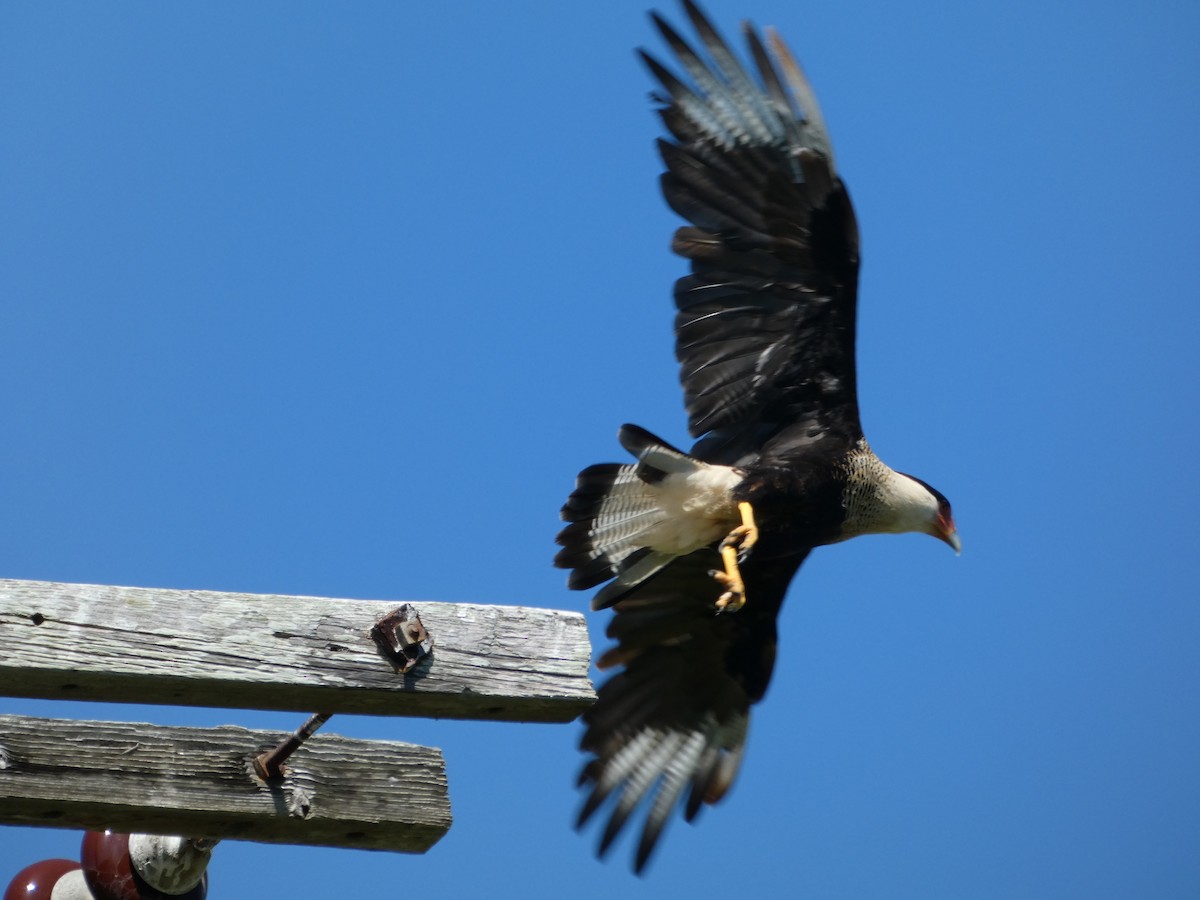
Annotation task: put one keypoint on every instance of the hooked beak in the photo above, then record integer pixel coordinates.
(952, 538)
(947, 533)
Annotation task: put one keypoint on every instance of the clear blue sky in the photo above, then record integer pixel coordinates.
(335, 300)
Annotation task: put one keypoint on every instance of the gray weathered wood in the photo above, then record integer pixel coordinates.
(256, 651)
(198, 782)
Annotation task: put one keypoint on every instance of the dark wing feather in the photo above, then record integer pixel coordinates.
(672, 724)
(766, 320)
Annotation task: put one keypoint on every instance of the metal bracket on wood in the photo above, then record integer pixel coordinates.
(402, 638)
(248, 651)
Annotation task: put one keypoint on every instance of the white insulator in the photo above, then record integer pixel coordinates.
(173, 865)
(72, 886)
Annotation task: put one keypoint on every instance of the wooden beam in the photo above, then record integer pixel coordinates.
(198, 782)
(265, 651)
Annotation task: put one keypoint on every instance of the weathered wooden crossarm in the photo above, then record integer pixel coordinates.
(255, 651)
(339, 792)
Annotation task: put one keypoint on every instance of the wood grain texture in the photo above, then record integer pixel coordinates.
(265, 651)
(198, 782)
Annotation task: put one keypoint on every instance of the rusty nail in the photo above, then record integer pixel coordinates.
(268, 764)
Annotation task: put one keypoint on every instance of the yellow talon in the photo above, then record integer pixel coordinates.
(737, 542)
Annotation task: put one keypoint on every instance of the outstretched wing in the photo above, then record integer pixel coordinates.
(765, 323)
(673, 721)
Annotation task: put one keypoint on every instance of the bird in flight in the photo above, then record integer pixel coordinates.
(698, 547)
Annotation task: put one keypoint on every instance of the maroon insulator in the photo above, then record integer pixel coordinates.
(36, 882)
(110, 874)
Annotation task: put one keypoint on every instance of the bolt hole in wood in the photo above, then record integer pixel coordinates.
(37, 618)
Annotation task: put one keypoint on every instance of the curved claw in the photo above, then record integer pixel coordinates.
(744, 537)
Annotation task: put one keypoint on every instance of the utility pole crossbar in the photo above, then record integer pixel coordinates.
(135, 777)
(252, 651)
(255, 651)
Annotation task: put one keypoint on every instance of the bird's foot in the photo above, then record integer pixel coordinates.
(734, 597)
(742, 539)
(735, 549)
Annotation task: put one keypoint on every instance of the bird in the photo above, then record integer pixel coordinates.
(694, 550)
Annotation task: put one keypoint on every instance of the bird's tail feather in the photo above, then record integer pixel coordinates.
(613, 508)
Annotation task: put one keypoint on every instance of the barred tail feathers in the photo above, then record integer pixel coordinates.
(615, 512)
